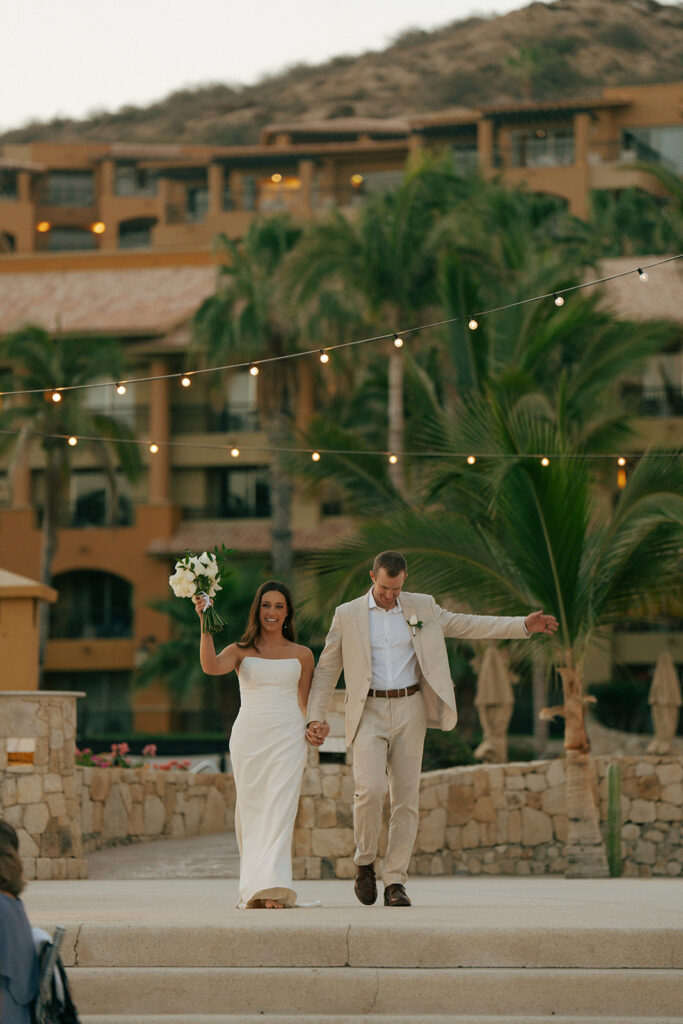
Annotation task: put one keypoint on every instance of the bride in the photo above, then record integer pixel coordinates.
(267, 745)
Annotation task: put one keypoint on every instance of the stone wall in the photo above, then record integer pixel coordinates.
(38, 782)
(128, 805)
(498, 819)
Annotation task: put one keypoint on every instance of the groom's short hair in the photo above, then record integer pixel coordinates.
(392, 561)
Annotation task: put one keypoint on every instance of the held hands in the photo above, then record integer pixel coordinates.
(537, 622)
(316, 733)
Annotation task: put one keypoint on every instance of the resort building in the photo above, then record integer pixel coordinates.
(117, 240)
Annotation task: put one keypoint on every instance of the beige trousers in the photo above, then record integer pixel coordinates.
(388, 749)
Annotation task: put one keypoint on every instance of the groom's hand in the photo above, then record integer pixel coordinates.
(316, 733)
(537, 622)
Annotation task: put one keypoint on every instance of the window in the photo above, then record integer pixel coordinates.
(9, 184)
(465, 158)
(7, 242)
(136, 233)
(240, 493)
(655, 145)
(91, 604)
(70, 188)
(105, 401)
(131, 180)
(70, 239)
(91, 500)
(107, 708)
(542, 147)
(197, 203)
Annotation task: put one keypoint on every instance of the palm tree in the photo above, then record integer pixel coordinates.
(42, 362)
(385, 258)
(512, 535)
(248, 319)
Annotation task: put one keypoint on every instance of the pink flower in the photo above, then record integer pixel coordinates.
(150, 750)
(124, 748)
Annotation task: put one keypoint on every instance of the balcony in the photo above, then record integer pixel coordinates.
(650, 401)
(201, 419)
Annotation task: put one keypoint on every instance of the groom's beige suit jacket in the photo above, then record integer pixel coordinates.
(348, 646)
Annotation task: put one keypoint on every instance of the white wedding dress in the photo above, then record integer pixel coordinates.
(268, 754)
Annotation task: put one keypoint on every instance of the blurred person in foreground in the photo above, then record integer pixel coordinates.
(18, 960)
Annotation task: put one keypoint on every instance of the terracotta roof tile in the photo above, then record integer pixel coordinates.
(146, 300)
(247, 536)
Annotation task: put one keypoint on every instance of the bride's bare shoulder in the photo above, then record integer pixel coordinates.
(304, 654)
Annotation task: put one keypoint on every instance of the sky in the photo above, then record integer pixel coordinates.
(72, 57)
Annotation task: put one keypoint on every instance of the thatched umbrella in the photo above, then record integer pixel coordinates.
(665, 701)
(494, 702)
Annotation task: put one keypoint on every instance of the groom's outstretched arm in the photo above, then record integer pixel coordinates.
(326, 673)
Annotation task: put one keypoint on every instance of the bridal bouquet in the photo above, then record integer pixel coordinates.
(201, 574)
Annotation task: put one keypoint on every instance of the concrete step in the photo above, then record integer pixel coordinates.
(253, 941)
(380, 1018)
(647, 993)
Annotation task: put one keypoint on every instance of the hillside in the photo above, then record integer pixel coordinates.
(553, 50)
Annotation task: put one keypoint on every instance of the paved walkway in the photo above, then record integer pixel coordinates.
(213, 856)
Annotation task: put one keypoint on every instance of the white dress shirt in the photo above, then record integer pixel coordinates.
(394, 664)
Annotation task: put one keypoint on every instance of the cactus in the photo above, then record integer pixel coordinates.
(614, 820)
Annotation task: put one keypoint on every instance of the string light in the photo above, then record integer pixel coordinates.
(621, 461)
(120, 389)
(545, 461)
(254, 370)
(393, 459)
(398, 341)
(356, 179)
(56, 396)
(154, 448)
(315, 456)
(471, 460)
(276, 178)
(235, 453)
(324, 357)
(73, 441)
(42, 226)
(559, 299)
(185, 380)
(98, 228)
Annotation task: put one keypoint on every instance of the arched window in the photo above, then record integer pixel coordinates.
(91, 604)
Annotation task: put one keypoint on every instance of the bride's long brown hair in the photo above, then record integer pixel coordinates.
(253, 629)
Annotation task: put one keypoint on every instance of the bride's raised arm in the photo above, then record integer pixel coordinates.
(214, 664)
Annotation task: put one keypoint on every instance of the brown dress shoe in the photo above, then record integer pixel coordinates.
(396, 896)
(365, 886)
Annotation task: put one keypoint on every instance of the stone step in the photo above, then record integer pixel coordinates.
(251, 941)
(380, 1018)
(144, 991)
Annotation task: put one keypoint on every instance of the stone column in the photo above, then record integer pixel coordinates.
(38, 781)
(19, 599)
(216, 188)
(580, 205)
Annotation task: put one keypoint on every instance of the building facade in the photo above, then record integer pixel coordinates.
(117, 240)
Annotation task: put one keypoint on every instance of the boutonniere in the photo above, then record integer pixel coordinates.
(415, 623)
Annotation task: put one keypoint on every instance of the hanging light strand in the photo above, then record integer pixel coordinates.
(253, 367)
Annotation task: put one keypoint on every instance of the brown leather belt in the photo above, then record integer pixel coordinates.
(405, 691)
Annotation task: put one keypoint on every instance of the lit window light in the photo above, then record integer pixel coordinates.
(98, 228)
(276, 178)
(357, 179)
(42, 226)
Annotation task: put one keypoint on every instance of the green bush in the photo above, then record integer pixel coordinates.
(445, 750)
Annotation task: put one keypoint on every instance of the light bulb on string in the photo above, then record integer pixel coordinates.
(56, 396)
(398, 341)
(471, 460)
(120, 389)
(473, 324)
(72, 442)
(642, 274)
(235, 452)
(154, 448)
(253, 369)
(621, 461)
(315, 456)
(185, 380)
(393, 459)
(558, 299)
(324, 356)
(545, 461)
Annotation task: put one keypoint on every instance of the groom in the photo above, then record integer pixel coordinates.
(392, 648)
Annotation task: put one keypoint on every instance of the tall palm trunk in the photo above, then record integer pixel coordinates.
(539, 677)
(396, 417)
(586, 856)
(48, 547)
(281, 492)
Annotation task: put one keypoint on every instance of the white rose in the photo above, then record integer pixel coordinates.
(412, 621)
(182, 582)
